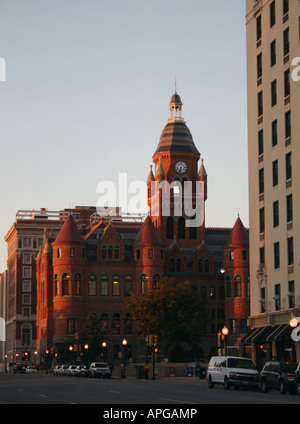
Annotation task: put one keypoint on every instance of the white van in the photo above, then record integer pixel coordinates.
(232, 371)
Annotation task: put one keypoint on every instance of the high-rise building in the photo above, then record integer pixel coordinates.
(273, 43)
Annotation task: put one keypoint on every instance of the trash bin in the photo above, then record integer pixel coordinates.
(139, 371)
(171, 371)
(189, 372)
(202, 373)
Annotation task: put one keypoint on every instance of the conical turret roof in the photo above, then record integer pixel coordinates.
(148, 233)
(69, 232)
(239, 234)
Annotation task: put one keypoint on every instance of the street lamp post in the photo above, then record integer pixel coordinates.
(225, 332)
(124, 343)
(104, 344)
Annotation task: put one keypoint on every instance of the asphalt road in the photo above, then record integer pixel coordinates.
(47, 389)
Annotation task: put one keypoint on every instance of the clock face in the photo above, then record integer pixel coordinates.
(180, 167)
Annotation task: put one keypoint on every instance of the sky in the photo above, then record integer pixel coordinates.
(87, 92)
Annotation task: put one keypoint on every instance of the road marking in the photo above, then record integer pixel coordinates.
(177, 401)
(44, 396)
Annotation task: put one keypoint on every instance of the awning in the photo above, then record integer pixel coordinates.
(275, 331)
(284, 334)
(248, 337)
(261, 336)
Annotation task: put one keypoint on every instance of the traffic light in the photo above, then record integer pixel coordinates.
(149, 340)
(154, 340)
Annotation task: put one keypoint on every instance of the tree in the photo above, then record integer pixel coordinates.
(173, 311)
(93, 336)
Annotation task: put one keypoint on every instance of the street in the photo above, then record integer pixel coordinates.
(47, 389)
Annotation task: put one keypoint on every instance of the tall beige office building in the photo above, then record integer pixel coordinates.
(273, 43)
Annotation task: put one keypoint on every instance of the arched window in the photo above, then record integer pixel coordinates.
(238, 286)
(104, 285)
(155, 281)
(181, 228)
(116, 324)
(56, 285)
(200, 265)
(128, 285)
(170, 227)
(178, 265)
(203, 292)
(117, 252)
(206, 265)
(144, 284)
(110, 252)
(104, 322)
(116, 285)
(92, 285)
(77, 284)
(66, 284)
(172, 265)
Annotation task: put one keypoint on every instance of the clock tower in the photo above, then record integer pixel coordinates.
(176, 162)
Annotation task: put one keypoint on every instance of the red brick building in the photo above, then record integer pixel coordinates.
(79, 272)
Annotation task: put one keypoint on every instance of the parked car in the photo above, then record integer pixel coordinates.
(63, 370)
(56, 370)
(31, 370)
(70, 370)
(297, 378)
(85, 371)
(278, 375)
(19, 368)
(100, 369)
(232, 371)
(77, 371)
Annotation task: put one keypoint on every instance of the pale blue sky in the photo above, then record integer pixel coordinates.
(86, 96)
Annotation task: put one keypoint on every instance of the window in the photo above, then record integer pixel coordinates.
(172, 265)
(26, 242)
(104, 285)
(181, 228)
(178, 265)
(289, 208)
(59, 253)
(274, 133)
(286, 42)
(27, 286)
(238, 286)
(104, 322)
(273, 53)
(244, 327)
(116, 324)
(275, 214)
(26, 271)
(228, 287)
(285, 7)
(258, 28)
(56, 285)
(26, 299)
(127, 324)
(72, 252)
(26, 312)
(261, 220)
(276, 255)
(259, 66)
(245, 255)
(275, 172)
(26, 336)
(291, 294)
(116, 285)
(232, 326)
(260, 103)
(288, 124)
(155, 282)
(150, 253)
(288, 165)
(277, 297)
(138, 253)
(103, 250)
(144, 284)
(272, 14)
(27, 258)
(273, 93)
(231, 255)
(263, 299)
(92, 285)
(71, 326)
(200, 265)
(261, 142)
(290, 246)
(170, 227)
(287, 83)
(128, 285)
(262, 255)
(66, 284)
(117, 252)
(110, 252)
(77, 284)
(261, 183)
